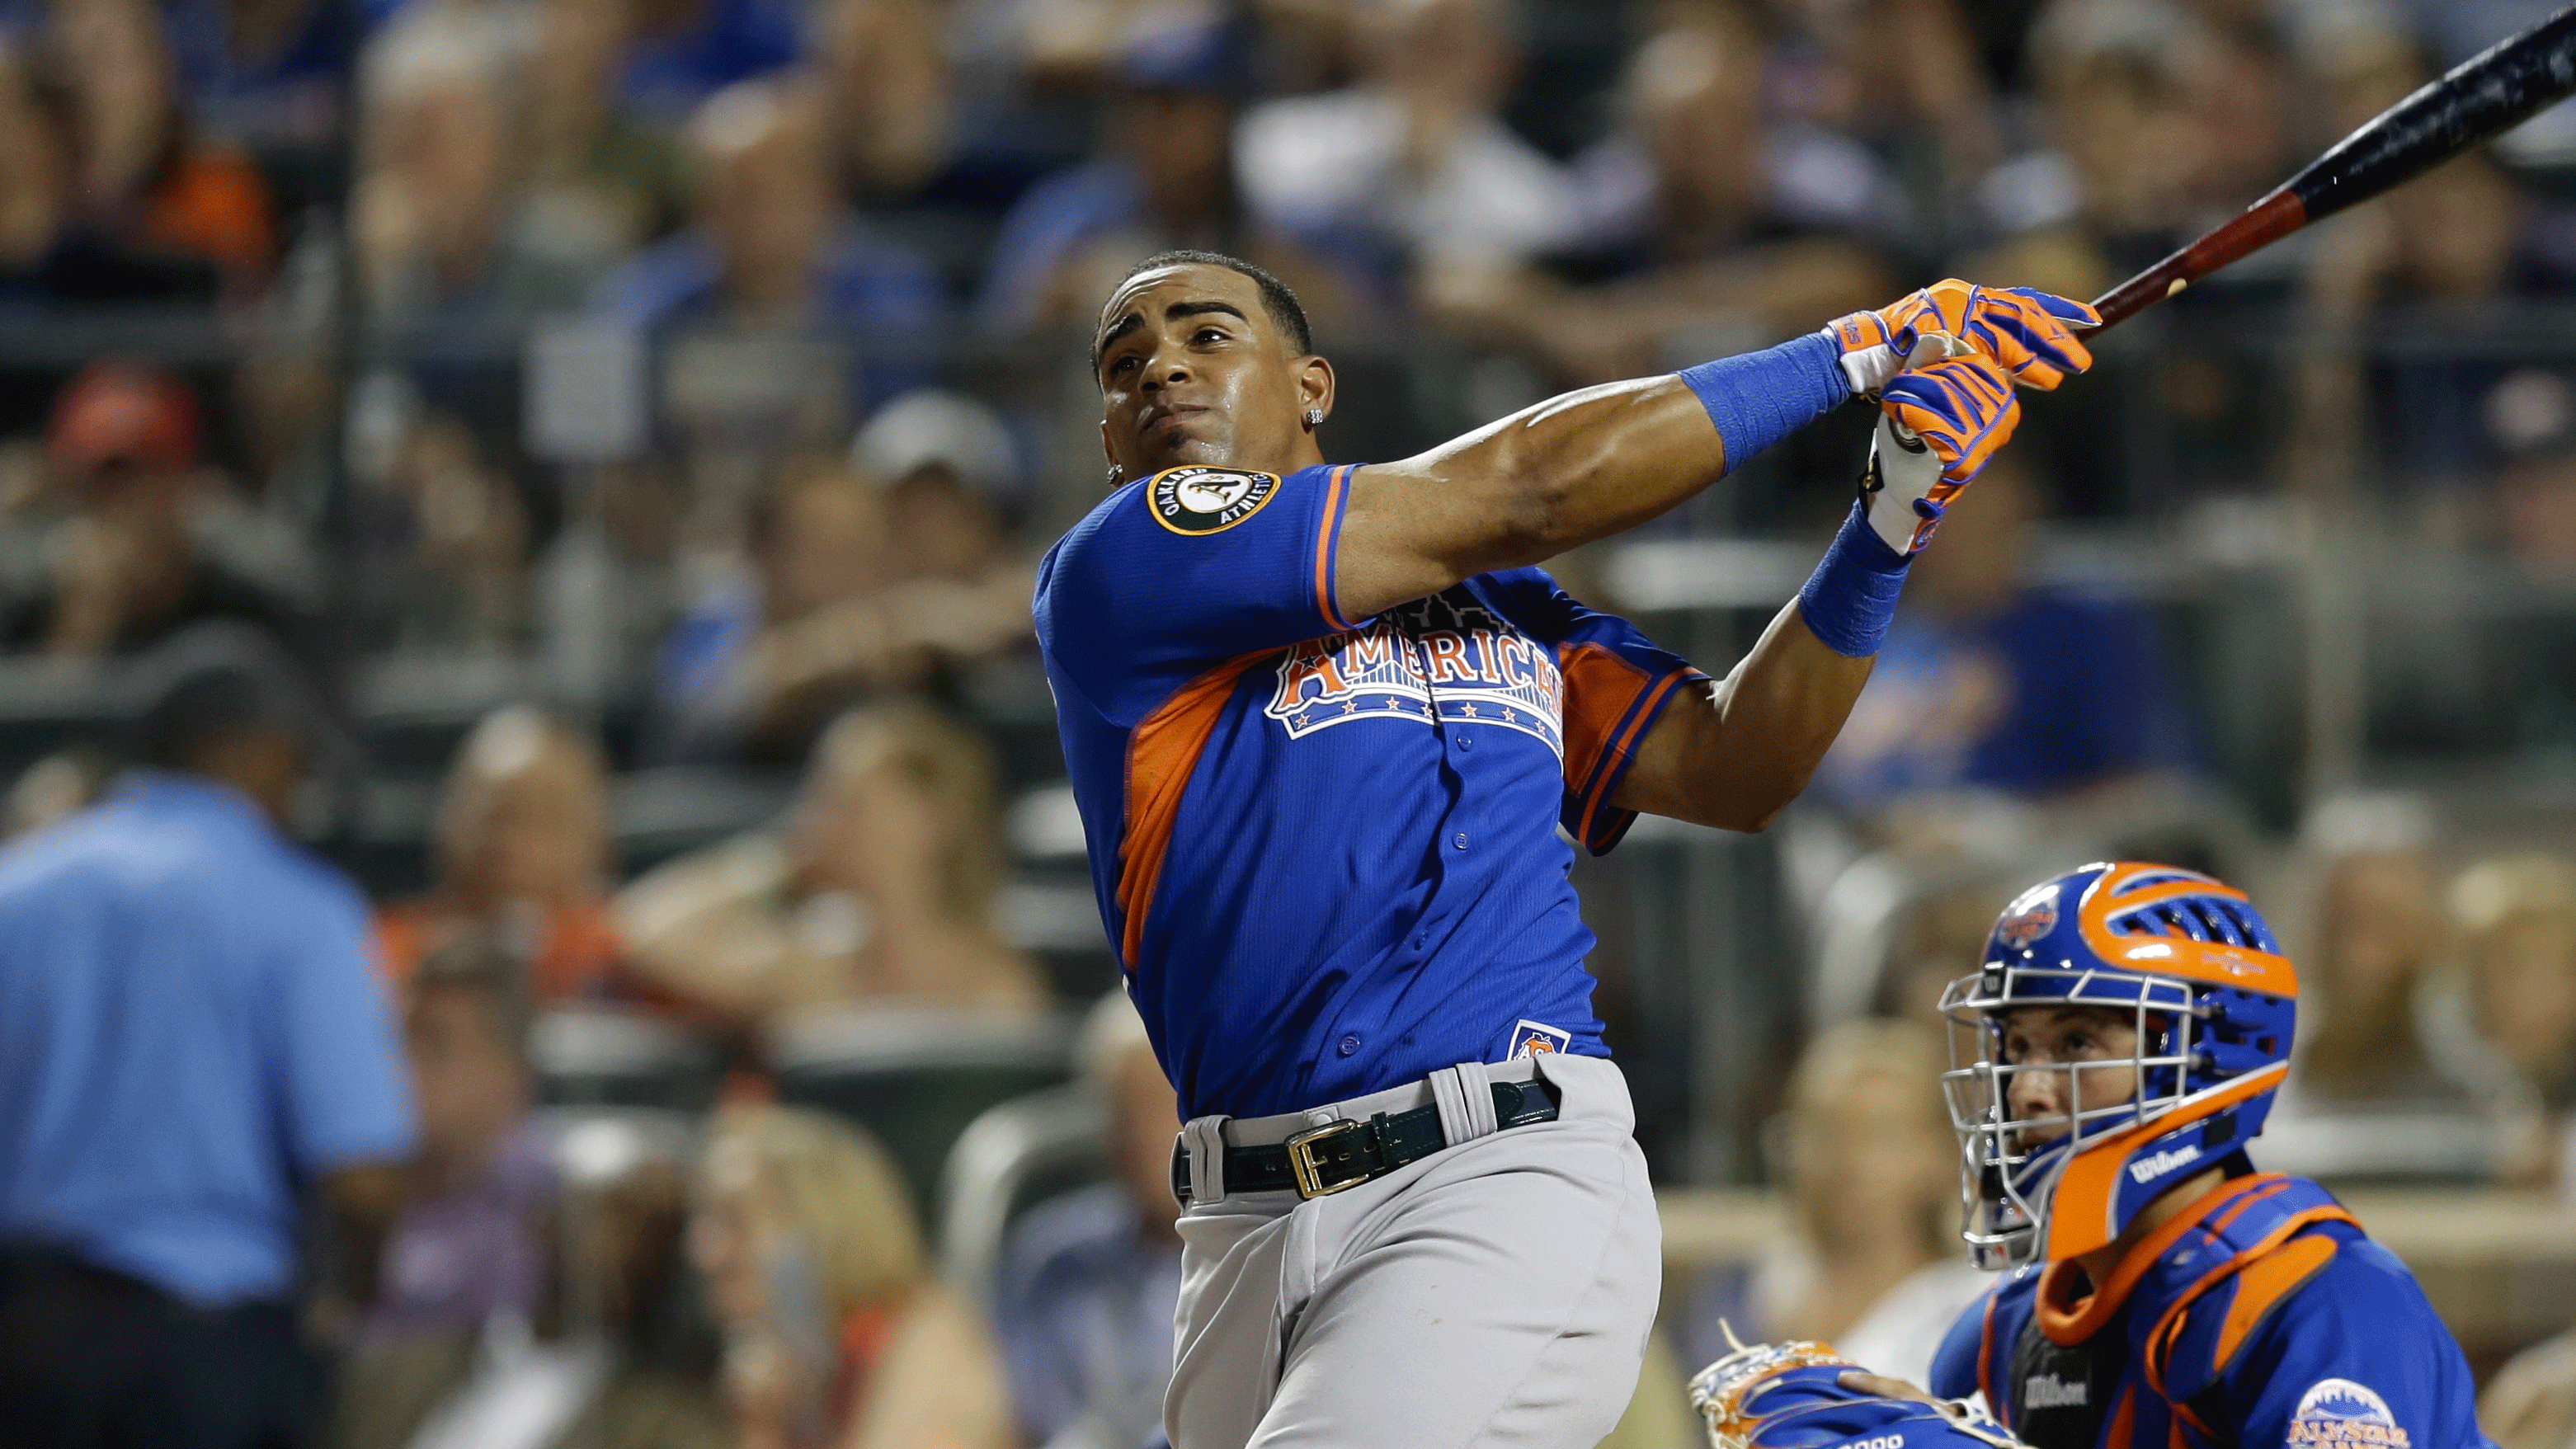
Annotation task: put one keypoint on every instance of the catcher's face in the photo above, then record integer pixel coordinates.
(2093, 1051)
(1193, 369)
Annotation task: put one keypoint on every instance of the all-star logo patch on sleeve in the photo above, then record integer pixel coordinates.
(1192, 501)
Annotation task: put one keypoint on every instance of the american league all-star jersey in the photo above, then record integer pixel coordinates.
(1327, 849)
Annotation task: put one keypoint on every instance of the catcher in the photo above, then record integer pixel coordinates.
(2118, 1049)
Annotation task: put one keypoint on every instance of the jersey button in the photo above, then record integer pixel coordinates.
(1349, 1045)
(1466, 742)
(1459, 840)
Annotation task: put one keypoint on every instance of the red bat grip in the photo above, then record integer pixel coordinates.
(2258, 226)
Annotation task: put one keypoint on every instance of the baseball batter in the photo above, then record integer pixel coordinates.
(1325, 723)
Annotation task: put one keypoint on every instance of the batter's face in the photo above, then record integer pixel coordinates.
(1193, 370)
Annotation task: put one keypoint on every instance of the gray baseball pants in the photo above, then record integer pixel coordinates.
(1496, 1293)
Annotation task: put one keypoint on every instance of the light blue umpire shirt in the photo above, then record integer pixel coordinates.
(191, 1029)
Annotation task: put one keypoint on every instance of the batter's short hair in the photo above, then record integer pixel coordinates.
(1276, 298)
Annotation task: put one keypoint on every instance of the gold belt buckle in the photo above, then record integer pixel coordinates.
(1310, 1173)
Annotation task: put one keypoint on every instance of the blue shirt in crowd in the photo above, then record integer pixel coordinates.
(2057, 690)
(1084, 1303)
(191, 1026)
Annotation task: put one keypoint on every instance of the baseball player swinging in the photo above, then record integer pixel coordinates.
(1324, 723)
(2120, 1045)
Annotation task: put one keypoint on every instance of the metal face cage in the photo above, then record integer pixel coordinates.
(2008, 1164)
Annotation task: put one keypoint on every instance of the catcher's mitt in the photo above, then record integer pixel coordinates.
(1791, 1396)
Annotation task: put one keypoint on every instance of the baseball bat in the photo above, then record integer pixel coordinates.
(2480, 99)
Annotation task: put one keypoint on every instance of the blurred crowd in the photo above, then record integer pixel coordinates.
(715, 365)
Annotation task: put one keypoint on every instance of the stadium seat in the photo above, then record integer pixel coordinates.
(1009, 1160)
(915, 1076)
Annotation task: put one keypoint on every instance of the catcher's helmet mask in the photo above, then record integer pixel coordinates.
(2194, 969)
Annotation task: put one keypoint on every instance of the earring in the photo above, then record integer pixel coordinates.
(1314, 417)
(1115, 473)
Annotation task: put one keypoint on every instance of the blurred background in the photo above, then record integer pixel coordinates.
(638, 421)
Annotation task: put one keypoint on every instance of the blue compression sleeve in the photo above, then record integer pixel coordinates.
(1761, 397)
(1851, 597)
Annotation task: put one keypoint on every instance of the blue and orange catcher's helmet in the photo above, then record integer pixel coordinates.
(2213, 1002)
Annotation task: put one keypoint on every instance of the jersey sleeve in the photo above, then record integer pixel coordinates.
(1957, 1365)
(1617, 684)
(1184, 570)
(2355, 1359)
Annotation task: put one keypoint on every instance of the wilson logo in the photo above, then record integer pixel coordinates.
(2048, 1391)
(2148, 1169)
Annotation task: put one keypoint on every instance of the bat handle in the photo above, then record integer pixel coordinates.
(2258, 226)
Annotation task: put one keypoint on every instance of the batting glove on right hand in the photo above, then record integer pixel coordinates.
(1938, 427)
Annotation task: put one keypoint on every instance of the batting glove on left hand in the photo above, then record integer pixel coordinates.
(1938, 427)
(2030, 332)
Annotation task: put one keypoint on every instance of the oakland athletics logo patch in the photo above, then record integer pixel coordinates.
(1208, 500)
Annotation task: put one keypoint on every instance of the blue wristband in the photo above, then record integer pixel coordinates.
(1851, 597)
(1761, 397)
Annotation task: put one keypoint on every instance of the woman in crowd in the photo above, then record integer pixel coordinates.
(1873, 1263)
(522, 850)
(880, 886)
(2516, 917)
(835, 1331)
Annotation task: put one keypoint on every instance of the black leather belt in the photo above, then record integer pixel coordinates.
(1339, 1156)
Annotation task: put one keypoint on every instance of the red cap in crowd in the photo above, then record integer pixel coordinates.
(123, 412)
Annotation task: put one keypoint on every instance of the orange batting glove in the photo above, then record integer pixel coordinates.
(1963, 408)
(2030, 332)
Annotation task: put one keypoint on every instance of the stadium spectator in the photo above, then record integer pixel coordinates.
(34, 174)
(2155, 119)
(196, 1036)
(141, 180)
(272, 77)
(770, 244)
(1164, 178)
(1706, 212)
(835, 1330)
(592, 169)
(1993, 682)
(827, 617)
(2531, 1401)
(612, 1356)
(522, 850)
(2373, 941)
(1089, 1280)
(441, 229)
(2516, 916)
(441, 533)
(128, 568)
(879, 887)
(1412, 170)
(1873, 1265)
(948, 470)
(885, 80)
(465, 1247)
(58, 785)
(2531, 417)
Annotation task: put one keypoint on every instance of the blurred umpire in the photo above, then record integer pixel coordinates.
(193, 1040)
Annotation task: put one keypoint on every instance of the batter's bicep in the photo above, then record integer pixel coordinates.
(1520, 491)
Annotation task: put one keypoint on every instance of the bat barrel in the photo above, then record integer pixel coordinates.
(2479, 100)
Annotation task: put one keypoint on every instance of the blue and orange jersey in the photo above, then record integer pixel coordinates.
(1327, 849)
(2262, 1317)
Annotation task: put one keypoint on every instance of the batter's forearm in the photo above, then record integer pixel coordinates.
(1572, 470)
(1735, 754)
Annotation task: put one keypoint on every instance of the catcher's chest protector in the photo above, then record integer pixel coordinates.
(2138, 1363)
